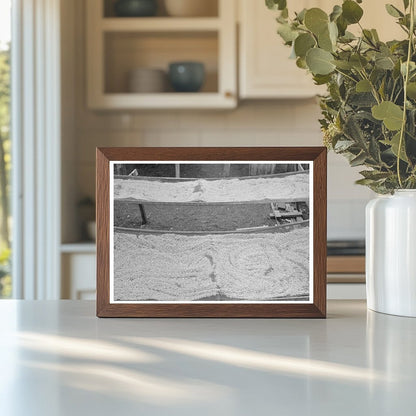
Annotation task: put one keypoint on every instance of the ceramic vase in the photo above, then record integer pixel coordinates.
(391, 253)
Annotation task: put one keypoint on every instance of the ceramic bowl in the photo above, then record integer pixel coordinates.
(191, 8)
(186, 76)
(135, 8)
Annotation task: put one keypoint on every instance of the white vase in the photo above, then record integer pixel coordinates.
(391, 253)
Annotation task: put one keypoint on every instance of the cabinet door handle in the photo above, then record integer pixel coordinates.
(229, 94)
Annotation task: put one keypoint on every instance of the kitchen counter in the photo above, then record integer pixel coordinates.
(57, 358)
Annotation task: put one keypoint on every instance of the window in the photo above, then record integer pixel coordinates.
(5, 145)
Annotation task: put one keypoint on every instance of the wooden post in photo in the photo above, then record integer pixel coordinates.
(143, 214)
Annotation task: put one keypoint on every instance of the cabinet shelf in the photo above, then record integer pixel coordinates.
(87, 247)
(160, 24)
(167, 100)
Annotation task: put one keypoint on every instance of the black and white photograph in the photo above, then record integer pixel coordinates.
(211, 232)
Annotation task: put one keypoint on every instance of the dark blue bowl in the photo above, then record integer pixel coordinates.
(186, 76)
(135, 8)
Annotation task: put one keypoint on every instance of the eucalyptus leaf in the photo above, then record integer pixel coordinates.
(316, 20)
(287, 33)
(345, 65)
(281, 19)
(358, 160)
(320, 61)
(395, 144)
(365, 182)
(374, 150)
(336, 12)
(354, 132)
(411, 90)
(333, 32)
(361, 100)
(406, 3)
(412, 68)
(321, 79)
(375, 35)
(285, 13)
(393, 11)
(303, 43)
(342, 25)
(301, 63)
(363, 86)
(369, 36)
(276, 4)
(374, 174)
(301, 15)
(351, 11)
(388, 112)
(385, 62)
(325, 42)
(358, 61)
(343, 145)
(347, 37)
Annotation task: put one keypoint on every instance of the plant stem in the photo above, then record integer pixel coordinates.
(346, 75)
(405, 81)
(373, 88)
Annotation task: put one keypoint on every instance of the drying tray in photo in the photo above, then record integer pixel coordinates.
(284, 187)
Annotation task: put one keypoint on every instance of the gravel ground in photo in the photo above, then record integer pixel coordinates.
(172, 267)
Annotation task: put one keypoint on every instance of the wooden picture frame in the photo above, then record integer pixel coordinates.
(314, 307)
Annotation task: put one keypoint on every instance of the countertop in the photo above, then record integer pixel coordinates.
(57, 358)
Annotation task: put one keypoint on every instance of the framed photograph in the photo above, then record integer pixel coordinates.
(211, 232)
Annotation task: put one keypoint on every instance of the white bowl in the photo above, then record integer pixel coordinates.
(147, 80)
(191, 8)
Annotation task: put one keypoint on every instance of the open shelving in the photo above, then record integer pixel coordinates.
(117, 45)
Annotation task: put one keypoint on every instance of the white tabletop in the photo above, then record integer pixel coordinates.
(57, 358)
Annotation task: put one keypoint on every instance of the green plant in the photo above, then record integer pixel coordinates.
(369, 113)
(5, 279)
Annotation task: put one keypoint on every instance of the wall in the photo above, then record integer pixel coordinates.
(254, 123)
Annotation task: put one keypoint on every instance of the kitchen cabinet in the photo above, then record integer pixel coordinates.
(78, 263)
(118, 45)
(265, 70)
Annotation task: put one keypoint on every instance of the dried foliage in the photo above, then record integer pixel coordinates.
(369, 113)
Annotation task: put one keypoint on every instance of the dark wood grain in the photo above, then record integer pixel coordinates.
(217, 310)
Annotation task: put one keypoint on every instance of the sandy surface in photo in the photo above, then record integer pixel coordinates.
(223, 190)
(172, 267)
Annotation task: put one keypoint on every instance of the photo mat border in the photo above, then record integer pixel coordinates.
(316, 308)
